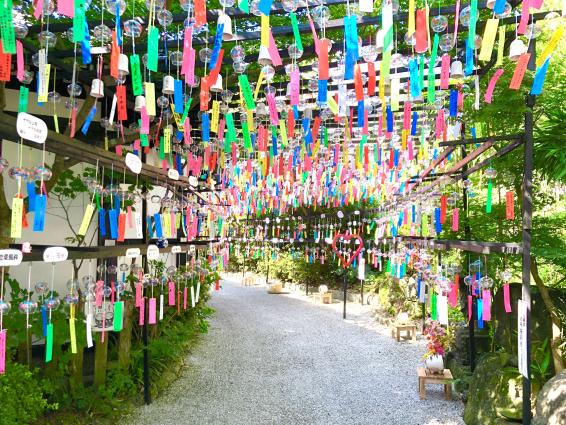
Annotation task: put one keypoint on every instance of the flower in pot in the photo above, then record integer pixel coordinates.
(437, 342)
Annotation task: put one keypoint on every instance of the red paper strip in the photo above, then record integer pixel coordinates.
(114, 56)
(519, 71)
(421, 44)
(214, 73)
(315, 128)
(371, 79)
(5, 65)
(358, 83)
(121, 227)
(121, 103)
(323, 59)
(200, 12)
(509, 205)
(443, 202)
(290, 124)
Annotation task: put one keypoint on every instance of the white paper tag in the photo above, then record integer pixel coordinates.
(89, 342)
(160, 307)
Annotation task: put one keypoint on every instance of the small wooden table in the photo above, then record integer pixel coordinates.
(248, 281)
(444, 378)
(409, 328)
(325, 298)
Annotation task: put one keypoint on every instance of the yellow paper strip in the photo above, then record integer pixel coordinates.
(166, 224)
(86, 219)
(265, 30)
(258, 85)
(500, 46)
(44, 84)
(167, 140)
(150, 98)
(73, 335)
(17, 211)
(215, 116)
(394, 94)
(332, 105)
(250, 116)
(488, 39)
(56, 122)
(283, 132)
(550, 46)
(411, 23)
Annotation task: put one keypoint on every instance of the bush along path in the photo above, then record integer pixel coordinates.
(279, 359)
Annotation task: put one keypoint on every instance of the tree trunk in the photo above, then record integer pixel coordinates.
(100, 361)
(76, 368)
(556, 323)
(125, 340)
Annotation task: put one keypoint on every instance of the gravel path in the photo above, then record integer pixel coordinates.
(280, 359)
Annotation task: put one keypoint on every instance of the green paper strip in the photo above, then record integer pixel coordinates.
(247, 91)
(137, 87)
(79, 21)
(296, 32)
(7, 28)
(118, 315)
(431, 75)
(473, 22)
(49, 343)
(97, 199)
(186, 112)
(424, 225)
(23, 105)
(433, 309)
(152, 49)
(325, 135)
(421, 72)
(488, 201)
(247, 138)
(144, 140)
(388, 266)
(362, 143)
(161, 148)
(386, 63)
(231, 136)
(244, 6)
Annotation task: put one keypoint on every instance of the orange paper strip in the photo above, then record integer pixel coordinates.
(519, 71)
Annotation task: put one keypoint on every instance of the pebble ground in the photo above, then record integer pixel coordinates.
(280, 359)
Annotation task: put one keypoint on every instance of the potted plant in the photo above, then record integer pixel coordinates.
(437, 341)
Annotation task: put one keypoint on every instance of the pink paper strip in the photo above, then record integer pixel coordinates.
(139, 299)
(536, 4)
(524, 17)
(20, 67)
(38, 9)
(130, 217)
(314, 34)
(152, 316)
(142, 314)
(221, 127)
(171, 293)
(144, 121)
(456, 20)
(66, 7)
(2, 352)
(98, 293)
(470, 302)
(445, 71)
(190, 74)
(486, 304)
(410, 148)
(273, 52)
(506, 298)
(187, 42)
(119, 150)
(455, 219)
(491, 85)
(273, 115)
(294, 86)
(453, 296)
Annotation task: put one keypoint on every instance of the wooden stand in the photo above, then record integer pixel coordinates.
(325, 298)
(444, 378)
(248, 281)
(410, 329)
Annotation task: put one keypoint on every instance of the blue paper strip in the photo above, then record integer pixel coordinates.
(44, 320)
(205, 127)
(437, 223)
(540, 75)
(113, 219)
(469, 59)
(178, 97)
(453, 103)
(499, 7)
(157, 222)
(322, 91)
(118, 25)
(31, 195)
(479, 304)
(414, 77)
(149, 227)
(88, 120)
(216, 46)
(389, 118)
(39, 213)
(85, 46)
(102, 222)
(361, 113)
(264, 6)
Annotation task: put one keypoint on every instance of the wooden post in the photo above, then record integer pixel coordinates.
(100, 360)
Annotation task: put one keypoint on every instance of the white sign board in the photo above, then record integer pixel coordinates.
(192, 249)
(133, 252)
(362, 269)
(31, 128)
(133, 162)
(522, 338)
(193, 181)
(152, 252)
(10, 257)
(176, 249)
(55, 254)
(173, 174)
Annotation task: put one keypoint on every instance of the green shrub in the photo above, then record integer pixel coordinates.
(21, 396)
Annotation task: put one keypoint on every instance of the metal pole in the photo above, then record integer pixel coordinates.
(527, 228)
(345, 288)
(467, 233)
